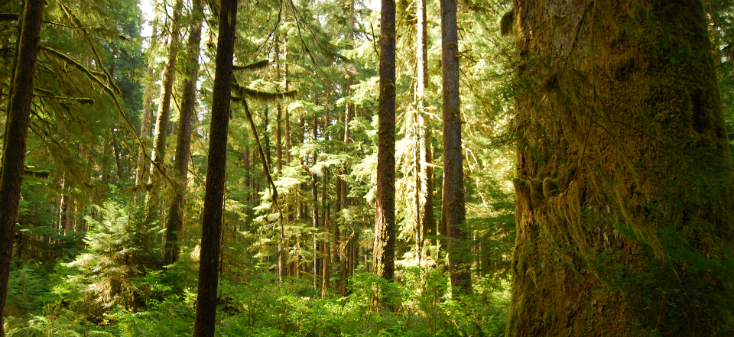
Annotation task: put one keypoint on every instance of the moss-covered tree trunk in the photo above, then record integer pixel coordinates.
(183, 138)
(147, 106)
(384, 248)
(19, 118)
(624, 183)
(164, 105)
(211, 227)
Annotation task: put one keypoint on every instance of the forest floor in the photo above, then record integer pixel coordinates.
(417, 305)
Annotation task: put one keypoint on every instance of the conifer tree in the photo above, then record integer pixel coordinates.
(624, 173)
(183, 139)
(384, 248)
(14, 151)
(454, 211)
(206, 306)
(164, 104)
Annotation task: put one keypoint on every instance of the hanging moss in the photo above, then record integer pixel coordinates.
(624, 180)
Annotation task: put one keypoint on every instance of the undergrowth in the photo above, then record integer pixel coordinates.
(419, 304)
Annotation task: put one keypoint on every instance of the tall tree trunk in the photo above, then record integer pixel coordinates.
(429, 220)
(118, 156)
(335, 259)
(279, 117)
(164, 105)
(147, 106)
(452, 155)
(426, 159)
(344, 188)
(384, 249)
(624, 182)
(325, 272)
(267, 137)
(287, 113)
(19, 118)
(248, 177)
(417, 193)
(183, 138)
(106, 151)
(315, 208)
(206, 305)
(281, 255)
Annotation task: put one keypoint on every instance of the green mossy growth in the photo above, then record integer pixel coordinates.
(550, 187)
(252, 66)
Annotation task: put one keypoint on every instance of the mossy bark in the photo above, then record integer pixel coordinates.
(19, 118)
(164, 106)
(183, 138)
(384, 248)
(624, 182)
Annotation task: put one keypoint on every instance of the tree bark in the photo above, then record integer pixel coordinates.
(164, 105)
(624, 181)
(426, 158)
(325, 270)
(147, 106)
(206, 306)
(183, 138)
(453, 201)
(315, 207)
(19, 117)
(106, 151)
(118, 156)
(384, 249)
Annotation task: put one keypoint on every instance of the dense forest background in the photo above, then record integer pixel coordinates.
(112, 206)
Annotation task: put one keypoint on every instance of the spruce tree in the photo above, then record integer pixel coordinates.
(206, 305)
(14, 151)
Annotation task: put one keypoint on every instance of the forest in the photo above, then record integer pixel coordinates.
(367, 168)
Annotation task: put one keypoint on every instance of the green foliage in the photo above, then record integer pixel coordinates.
(261, 306)
(119, 250)
(28, 290)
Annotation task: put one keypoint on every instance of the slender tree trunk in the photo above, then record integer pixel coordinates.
(164, 105)
(384, 250)
(144, 130)
(183, 138)
(426, 159)
(344, 242)
(62, 204)
(624, 176)
(248, 178)
(147, 106)
(118, 156)
(287, 113)
(106, 151)
(429, 220)
(344, 188)
(19, 117)
(452, 155)
(206, 305)
(315, 207)
(325, 272)
(335, 259)
(417, 192)
(279, 118)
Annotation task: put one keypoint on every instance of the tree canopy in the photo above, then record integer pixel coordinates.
(365, 168)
